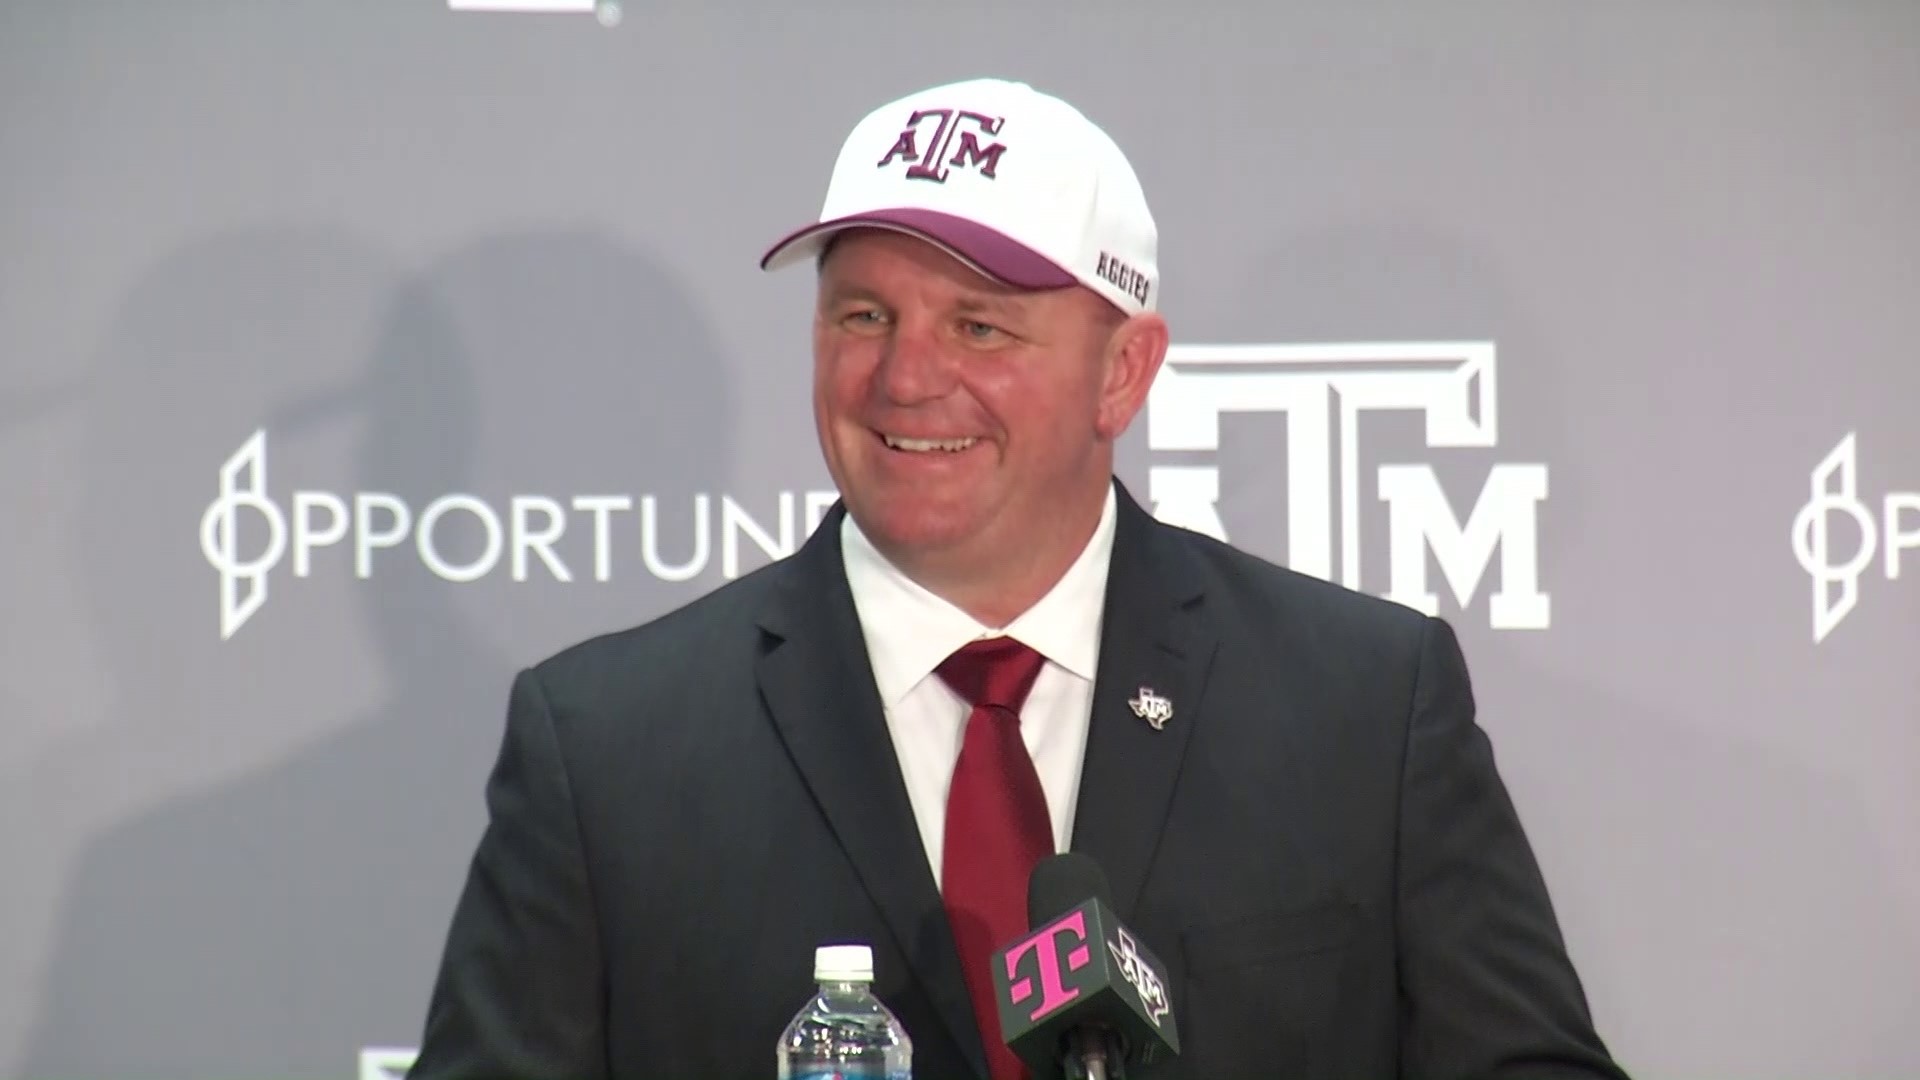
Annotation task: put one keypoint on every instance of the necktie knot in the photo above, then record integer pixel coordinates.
(992, 673)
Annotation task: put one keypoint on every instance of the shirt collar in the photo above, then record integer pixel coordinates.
(910, 631)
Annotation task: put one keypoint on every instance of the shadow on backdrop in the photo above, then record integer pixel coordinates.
(23, 405)
(275, 924)
(198, 343)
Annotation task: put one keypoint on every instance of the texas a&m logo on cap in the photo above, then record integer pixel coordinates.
(933, 165)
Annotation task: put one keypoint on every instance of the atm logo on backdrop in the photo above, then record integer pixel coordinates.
(1322, 390)
(1834, 517)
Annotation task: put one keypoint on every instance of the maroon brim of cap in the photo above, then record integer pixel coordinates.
(985, 249)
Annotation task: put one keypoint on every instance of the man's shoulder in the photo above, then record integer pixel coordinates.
(1273, 598)
(715, 630)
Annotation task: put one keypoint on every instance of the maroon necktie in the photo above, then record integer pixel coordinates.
(997, 824)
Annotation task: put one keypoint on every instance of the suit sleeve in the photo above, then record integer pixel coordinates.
(520, 990)
(1488, 988)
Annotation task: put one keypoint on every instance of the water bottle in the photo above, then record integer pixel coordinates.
(845, 1033)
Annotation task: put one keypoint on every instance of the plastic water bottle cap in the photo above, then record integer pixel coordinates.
(843, 963)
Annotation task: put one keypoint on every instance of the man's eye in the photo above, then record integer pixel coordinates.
(864, 317)
(979, 331)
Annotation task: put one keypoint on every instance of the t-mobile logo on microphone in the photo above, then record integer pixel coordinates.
(1044, 946)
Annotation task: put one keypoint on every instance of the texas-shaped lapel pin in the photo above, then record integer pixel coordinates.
(1152, 708)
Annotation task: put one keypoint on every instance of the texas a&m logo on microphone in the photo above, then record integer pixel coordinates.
(1140, 975)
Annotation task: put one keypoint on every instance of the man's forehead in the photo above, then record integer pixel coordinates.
(874, 258)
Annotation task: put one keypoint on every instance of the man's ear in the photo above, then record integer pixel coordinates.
(1134, 353)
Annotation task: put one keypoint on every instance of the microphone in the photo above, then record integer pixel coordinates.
(1080, 998)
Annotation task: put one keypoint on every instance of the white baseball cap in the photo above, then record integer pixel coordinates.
(1016, 183)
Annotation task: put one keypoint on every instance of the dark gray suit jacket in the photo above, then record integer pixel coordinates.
(1317, 844)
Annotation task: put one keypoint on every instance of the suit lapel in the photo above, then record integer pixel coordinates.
(818, 686)
(1154, 642)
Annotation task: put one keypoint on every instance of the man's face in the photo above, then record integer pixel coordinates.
(968, 425)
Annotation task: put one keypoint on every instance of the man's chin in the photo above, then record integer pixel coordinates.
(910, 536)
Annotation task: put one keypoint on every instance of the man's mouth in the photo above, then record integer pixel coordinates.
(921, 446)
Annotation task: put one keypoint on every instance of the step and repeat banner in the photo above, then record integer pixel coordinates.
(355, 354)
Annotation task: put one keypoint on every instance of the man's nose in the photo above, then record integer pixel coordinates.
(916, 367)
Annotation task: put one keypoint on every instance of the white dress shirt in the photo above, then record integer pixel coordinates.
(909, 631)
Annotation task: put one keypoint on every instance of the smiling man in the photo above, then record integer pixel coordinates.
(969, 426)
(876, 739)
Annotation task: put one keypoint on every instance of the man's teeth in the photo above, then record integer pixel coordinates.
(950, 445)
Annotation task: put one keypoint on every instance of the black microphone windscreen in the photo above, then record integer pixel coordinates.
(1059, 882)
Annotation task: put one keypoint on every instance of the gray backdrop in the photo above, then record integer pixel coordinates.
(1557, 313)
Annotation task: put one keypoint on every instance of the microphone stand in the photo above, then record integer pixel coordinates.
(1094, 1055)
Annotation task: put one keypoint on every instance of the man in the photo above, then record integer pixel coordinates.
(986, 653)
